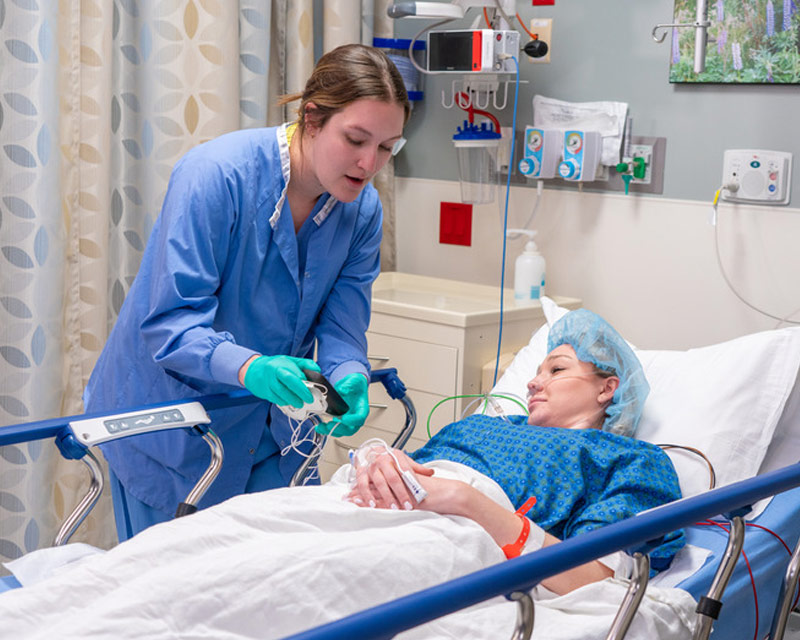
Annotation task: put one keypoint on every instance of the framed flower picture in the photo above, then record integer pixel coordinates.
(749, 42)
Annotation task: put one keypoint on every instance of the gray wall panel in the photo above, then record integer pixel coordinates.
(603, 50)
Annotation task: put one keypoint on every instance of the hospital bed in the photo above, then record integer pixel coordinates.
(76, 435)
(737, 402)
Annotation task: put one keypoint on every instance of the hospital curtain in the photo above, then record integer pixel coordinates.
(98, 100)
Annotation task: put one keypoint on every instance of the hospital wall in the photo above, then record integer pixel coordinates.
(648, 262)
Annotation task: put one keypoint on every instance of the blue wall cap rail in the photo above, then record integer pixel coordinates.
(521, 574)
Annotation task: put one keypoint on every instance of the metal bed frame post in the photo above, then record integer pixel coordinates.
(524, 626)
(198, 491)
(785, 596)
(709, 606)
(79, 513)
(633, 597)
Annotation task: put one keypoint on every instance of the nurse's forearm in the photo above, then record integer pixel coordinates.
(243, 369)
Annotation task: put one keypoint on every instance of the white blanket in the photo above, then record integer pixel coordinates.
(272, 564)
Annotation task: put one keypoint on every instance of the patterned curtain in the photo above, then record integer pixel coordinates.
(98, 100)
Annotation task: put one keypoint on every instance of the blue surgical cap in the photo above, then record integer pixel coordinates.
(596, 341)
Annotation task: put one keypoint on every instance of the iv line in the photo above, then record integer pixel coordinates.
(505, 221)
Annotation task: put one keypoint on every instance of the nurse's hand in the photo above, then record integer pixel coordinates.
(278, 379)
(353, 389)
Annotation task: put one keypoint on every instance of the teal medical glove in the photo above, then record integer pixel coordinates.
(279, 380)
(353, 389)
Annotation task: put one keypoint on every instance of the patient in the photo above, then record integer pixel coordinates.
(587, 473)
(269, 564)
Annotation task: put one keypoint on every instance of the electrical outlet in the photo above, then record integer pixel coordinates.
(542, 28)
(504, 151)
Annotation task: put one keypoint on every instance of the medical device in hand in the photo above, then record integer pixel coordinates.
(326, 400)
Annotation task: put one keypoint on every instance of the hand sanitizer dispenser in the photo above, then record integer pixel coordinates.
(528, 271)
(582, 152)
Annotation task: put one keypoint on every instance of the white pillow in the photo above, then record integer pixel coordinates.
(724, 399)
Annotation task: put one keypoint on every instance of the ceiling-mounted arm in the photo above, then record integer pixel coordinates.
(700, 25)
(453, 10)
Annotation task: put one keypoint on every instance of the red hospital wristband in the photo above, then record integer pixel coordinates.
(515, 548)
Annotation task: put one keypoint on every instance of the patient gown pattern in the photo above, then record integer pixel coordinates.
(582, 478)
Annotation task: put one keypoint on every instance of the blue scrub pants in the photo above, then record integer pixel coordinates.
(131, 515)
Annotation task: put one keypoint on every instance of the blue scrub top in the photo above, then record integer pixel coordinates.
(223, 278)
(582, 479)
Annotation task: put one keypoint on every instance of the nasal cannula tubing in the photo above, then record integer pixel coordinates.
(472, 395)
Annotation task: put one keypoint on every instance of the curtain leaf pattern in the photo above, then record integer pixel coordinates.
(98, 100)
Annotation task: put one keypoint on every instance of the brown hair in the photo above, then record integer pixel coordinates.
(346, 74)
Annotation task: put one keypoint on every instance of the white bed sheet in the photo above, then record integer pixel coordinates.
(272, 564)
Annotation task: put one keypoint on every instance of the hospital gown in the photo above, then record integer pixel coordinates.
(582, 479)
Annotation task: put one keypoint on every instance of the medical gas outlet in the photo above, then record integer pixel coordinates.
(636, 168)
(757, 177)
(542, 153)
(582, 151)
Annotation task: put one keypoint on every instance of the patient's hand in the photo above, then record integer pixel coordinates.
(380, 484)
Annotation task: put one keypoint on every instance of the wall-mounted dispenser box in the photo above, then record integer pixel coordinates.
(543, 150)
(582, 152)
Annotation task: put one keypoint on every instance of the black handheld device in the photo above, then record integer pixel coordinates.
(336, 404)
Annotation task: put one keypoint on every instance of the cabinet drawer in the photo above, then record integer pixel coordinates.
(420, 365)
(389, 416)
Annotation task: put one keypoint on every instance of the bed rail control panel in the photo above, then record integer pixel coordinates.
(92, 431)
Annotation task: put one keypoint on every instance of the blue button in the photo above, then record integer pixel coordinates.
(772, 187)
(755, 164)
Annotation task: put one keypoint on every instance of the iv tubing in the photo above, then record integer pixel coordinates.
(505, 222)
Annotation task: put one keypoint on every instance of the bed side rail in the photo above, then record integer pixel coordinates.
(74, 435)
(523, 573)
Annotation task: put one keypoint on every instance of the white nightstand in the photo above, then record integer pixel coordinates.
(438, 334)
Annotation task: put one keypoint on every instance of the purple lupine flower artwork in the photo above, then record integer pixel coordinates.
(722, 40)
(787, 14)
(676, 52)
(770, 19)
(721, 10)
(736, 50)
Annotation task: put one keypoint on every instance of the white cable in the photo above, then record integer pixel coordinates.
(539, 187)
(780, 320)
(416, 37)
(469, 406)
(503, 13)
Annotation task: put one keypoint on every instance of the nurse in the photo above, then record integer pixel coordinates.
(266, 247)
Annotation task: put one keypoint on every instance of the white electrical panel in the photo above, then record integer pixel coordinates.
(756, 177)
